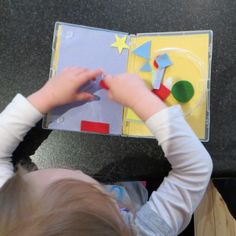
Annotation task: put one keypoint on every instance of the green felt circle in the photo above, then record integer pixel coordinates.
(182, 91)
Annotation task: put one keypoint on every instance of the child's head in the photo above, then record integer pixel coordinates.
(58, 202)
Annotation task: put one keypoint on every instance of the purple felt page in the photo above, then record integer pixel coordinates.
(89, 48)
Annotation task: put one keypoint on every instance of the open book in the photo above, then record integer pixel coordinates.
(175, 66)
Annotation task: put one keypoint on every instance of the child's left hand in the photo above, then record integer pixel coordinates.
(63, 89)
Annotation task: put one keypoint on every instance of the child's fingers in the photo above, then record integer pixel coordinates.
(76, 70)
(84, 96)
(108, 80)
(88, 75)
(110, 95)
(79, 70)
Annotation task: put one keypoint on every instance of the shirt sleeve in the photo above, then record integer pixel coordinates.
(15, 121)
(182, 190)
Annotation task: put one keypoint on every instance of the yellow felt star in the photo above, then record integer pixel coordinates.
(120, 43)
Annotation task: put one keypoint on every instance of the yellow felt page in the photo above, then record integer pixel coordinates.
(189, 55)
(54, 64)
(137, 129)
(56, 53)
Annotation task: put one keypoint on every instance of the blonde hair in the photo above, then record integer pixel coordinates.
(68, 207)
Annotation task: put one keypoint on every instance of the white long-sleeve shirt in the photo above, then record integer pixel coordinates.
(171, 206)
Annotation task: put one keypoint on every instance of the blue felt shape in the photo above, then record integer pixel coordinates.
(143, 50)
(163, 61)
(146, 67)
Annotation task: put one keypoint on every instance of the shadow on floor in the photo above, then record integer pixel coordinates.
(28, 146)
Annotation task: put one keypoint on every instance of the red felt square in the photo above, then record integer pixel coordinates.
(155, 64)
(103, 85)
(163, 92)
(97, 127)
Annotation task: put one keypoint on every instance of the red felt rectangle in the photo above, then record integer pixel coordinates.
(103, 85)
(97, 127)
(163, 92)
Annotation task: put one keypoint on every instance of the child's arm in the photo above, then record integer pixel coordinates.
(22, 114)
(170, 208)
(15, 121)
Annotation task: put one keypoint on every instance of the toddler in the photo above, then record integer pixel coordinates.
(65, 202)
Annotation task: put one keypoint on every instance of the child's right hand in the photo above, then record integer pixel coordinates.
(126, 89)
(130, 90)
